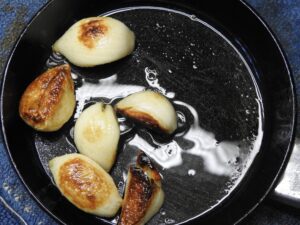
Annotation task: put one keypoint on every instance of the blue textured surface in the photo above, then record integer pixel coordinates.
(283, 16)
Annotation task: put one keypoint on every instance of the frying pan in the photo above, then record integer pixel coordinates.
(220, 66)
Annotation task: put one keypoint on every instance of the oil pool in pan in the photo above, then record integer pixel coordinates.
(215, 95)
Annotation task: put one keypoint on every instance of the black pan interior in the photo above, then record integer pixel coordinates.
(231, 90)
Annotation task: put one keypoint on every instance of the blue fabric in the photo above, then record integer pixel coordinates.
(16, 205)
(283, 17)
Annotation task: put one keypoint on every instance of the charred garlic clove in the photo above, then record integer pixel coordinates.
(96, 134)
(143, 195)
(85, 184)
(151, 108)
(49, 101)
(95, 41)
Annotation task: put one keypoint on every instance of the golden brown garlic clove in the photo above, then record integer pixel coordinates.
(85, 184)
(143, 195)
(49, 101)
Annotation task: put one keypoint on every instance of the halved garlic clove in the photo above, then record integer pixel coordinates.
(151, 108)
(96, 134)
(85, 184)
(49, 101)
(95, 41)
(143, 195)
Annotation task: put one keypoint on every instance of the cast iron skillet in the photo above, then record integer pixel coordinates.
(220, 66)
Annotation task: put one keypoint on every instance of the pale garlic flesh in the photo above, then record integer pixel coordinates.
(95, 41)
(150, 108)
(96, 134)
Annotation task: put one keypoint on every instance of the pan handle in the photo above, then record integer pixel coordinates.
(288, 188)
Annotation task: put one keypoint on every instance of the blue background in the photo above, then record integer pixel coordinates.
(16, 205)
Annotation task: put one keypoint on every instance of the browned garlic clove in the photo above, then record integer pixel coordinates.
(151, 108)
(143, 195)
(49, 101)
(85, 184)
(95, 41)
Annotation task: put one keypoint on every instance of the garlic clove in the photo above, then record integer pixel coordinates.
(150, 108)
(49, 101)
(95, 41)
(96, 134)
(85, 184)
(143, 195)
